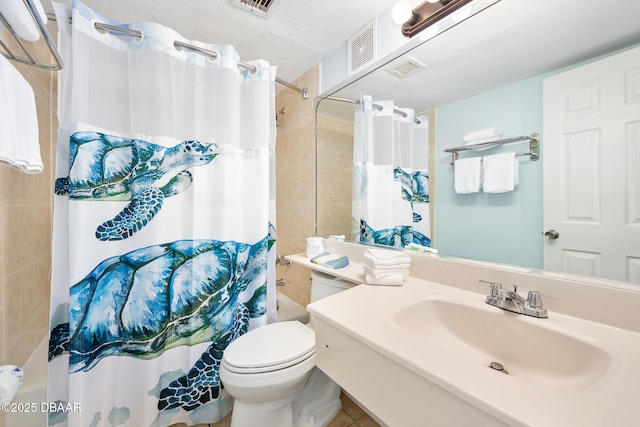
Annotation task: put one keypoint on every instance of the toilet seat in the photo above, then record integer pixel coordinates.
(270, 348)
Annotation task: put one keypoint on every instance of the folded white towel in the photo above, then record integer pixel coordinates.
(384, 267)
(20, 20)
(394, 280)
(500, 173)
(468, 175)
(481, 134)
(379, 274)
(10, 382)
(19, 141)
(479, 145)
(385, 257)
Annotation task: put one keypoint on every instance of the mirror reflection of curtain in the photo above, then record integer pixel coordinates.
(390, 175)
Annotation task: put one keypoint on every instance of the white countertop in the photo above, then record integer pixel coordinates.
(366, 313)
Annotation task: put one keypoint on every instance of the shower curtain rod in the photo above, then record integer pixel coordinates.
(178, 45)
(377, 106)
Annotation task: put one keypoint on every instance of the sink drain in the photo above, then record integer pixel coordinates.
(498, 367)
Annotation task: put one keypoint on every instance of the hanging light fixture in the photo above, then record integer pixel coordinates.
(428, 13)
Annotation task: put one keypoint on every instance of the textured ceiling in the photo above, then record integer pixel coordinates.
(295, 38)
(510, 41)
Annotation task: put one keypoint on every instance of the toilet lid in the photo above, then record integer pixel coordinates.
(270, 347)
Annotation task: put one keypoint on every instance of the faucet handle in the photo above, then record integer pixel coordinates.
(534, 299)
(494, 286)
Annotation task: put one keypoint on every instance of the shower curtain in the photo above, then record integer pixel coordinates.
(390, 175)
(164, 248)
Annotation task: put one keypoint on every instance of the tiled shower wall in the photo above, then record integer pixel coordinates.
(26, 206)
(334, 176)
(295, 181)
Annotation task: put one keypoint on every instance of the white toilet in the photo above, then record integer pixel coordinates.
(270, 371)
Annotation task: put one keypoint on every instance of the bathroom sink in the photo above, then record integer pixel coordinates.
(527, 348)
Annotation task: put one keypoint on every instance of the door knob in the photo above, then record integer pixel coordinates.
(551, 234)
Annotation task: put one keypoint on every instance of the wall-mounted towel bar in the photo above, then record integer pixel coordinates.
(534, 146)
(28, 58)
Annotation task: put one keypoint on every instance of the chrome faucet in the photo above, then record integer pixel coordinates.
(514, 302)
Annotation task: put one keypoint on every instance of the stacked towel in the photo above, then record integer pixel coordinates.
(19, 141)
(385, 267)
(10, 382)
(482, 136)
(20, 19)
(500, 173)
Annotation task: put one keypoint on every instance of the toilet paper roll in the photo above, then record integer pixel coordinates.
(315, 246)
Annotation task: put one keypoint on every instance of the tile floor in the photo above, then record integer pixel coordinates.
(349, 416)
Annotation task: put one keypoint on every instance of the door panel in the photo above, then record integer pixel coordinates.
(591, 153)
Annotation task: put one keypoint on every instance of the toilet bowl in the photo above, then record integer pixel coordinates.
(270, 372)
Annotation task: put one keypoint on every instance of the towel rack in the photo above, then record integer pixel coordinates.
(534, 146)
(28, 58)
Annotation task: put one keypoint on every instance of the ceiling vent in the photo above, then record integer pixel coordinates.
(406, 68)
(362, 48)
(262, 8)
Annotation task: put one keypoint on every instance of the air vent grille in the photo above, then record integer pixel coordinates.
(406, 68)
(263, 8)
(362, 48)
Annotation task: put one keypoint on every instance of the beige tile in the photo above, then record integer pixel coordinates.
(9, 185)
(341, 420)
(2, 335)
(225, 422)
(350, 407)
(25, 233)
(366, 421)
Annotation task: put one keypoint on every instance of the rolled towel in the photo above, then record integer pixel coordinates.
(482, 134)
(10, 382)
(385, 257)
(394, 280)
(20, 19)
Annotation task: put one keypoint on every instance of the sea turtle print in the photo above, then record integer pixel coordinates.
(399, 236)
(149, 300)
(415, 187)
(108, 167)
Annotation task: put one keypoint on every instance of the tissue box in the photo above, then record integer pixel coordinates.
(330, 260)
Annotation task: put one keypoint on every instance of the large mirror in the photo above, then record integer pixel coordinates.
(486, 71)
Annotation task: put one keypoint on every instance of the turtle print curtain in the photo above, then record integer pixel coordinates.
(390, 199)
(164, 249)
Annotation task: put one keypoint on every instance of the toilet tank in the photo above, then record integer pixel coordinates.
(324, 285)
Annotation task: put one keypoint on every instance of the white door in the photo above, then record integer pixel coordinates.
(591, 149)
